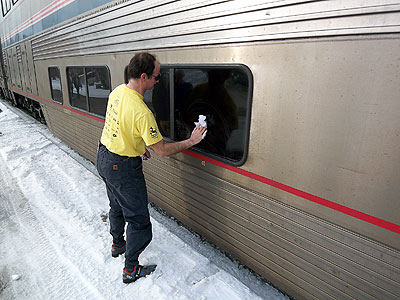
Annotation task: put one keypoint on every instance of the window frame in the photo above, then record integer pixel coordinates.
(4, 10)
(51, 86)
(87, 87)
(242, 67)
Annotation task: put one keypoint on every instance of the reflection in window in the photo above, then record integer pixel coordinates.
(55, 84)
(77, 87)
(222, 96)
(158, 100)
(99, 87)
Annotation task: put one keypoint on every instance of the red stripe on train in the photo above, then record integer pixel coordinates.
(335, 206)
(60, 105)
(338, 207)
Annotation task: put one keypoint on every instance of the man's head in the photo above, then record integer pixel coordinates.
(145, 68)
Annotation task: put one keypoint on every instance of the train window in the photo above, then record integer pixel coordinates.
(158, 100)
(223, 96)
(55, 84)
(89, 88)
(5, 6)
(99, 87)
(77, 87)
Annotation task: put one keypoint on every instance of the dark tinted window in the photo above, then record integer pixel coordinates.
(55, 84)
(99, 87)
(77, 87)
(222, 95)
(158, 100)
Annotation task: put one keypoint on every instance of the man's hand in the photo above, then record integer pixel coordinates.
(197, 134)
(146, 155)
(164, 148)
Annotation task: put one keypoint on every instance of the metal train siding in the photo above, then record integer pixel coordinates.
(312, 204)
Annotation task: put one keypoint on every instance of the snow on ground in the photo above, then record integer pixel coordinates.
(56, 245)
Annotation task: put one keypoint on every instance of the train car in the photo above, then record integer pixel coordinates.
(299, 174)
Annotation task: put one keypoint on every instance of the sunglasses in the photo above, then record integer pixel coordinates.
(157, 78)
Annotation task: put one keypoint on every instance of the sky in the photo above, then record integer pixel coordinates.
(54, 234)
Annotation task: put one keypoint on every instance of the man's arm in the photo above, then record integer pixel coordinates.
(164, 148)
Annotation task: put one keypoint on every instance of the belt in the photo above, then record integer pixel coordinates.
(117, 155)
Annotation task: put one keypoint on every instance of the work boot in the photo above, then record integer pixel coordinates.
(138, 272)
(116, 251)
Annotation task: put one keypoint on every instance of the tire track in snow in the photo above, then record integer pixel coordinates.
(57, 280)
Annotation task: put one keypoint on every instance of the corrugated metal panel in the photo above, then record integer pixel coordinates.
(152, 25)
(3, 68)
(6, 66)
(16, 77)
(19, 53)
(10, 64)
(325, 260)
(26, 73)
(20, 50)
(125, 13)
(80, 135)
(31, 68)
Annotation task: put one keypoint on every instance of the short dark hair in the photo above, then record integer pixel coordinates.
(142, 62)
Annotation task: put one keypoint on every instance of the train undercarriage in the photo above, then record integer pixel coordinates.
(32, 107)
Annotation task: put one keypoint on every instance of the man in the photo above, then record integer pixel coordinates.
(129, 125)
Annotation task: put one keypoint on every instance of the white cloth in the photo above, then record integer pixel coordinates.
(202, 121)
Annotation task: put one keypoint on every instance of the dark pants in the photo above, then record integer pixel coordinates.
(126, 190)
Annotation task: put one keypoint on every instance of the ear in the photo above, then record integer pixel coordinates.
(143, 76)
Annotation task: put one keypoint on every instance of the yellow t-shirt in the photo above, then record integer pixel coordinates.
(129, 123)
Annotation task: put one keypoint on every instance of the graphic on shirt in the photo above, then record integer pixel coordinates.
(153, 132)
(129, 124)
(112, 122)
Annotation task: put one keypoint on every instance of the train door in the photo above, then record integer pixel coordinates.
(25, 69)
(19, 68)
(31, 68)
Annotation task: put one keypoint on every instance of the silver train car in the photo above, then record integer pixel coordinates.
(299, 175)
